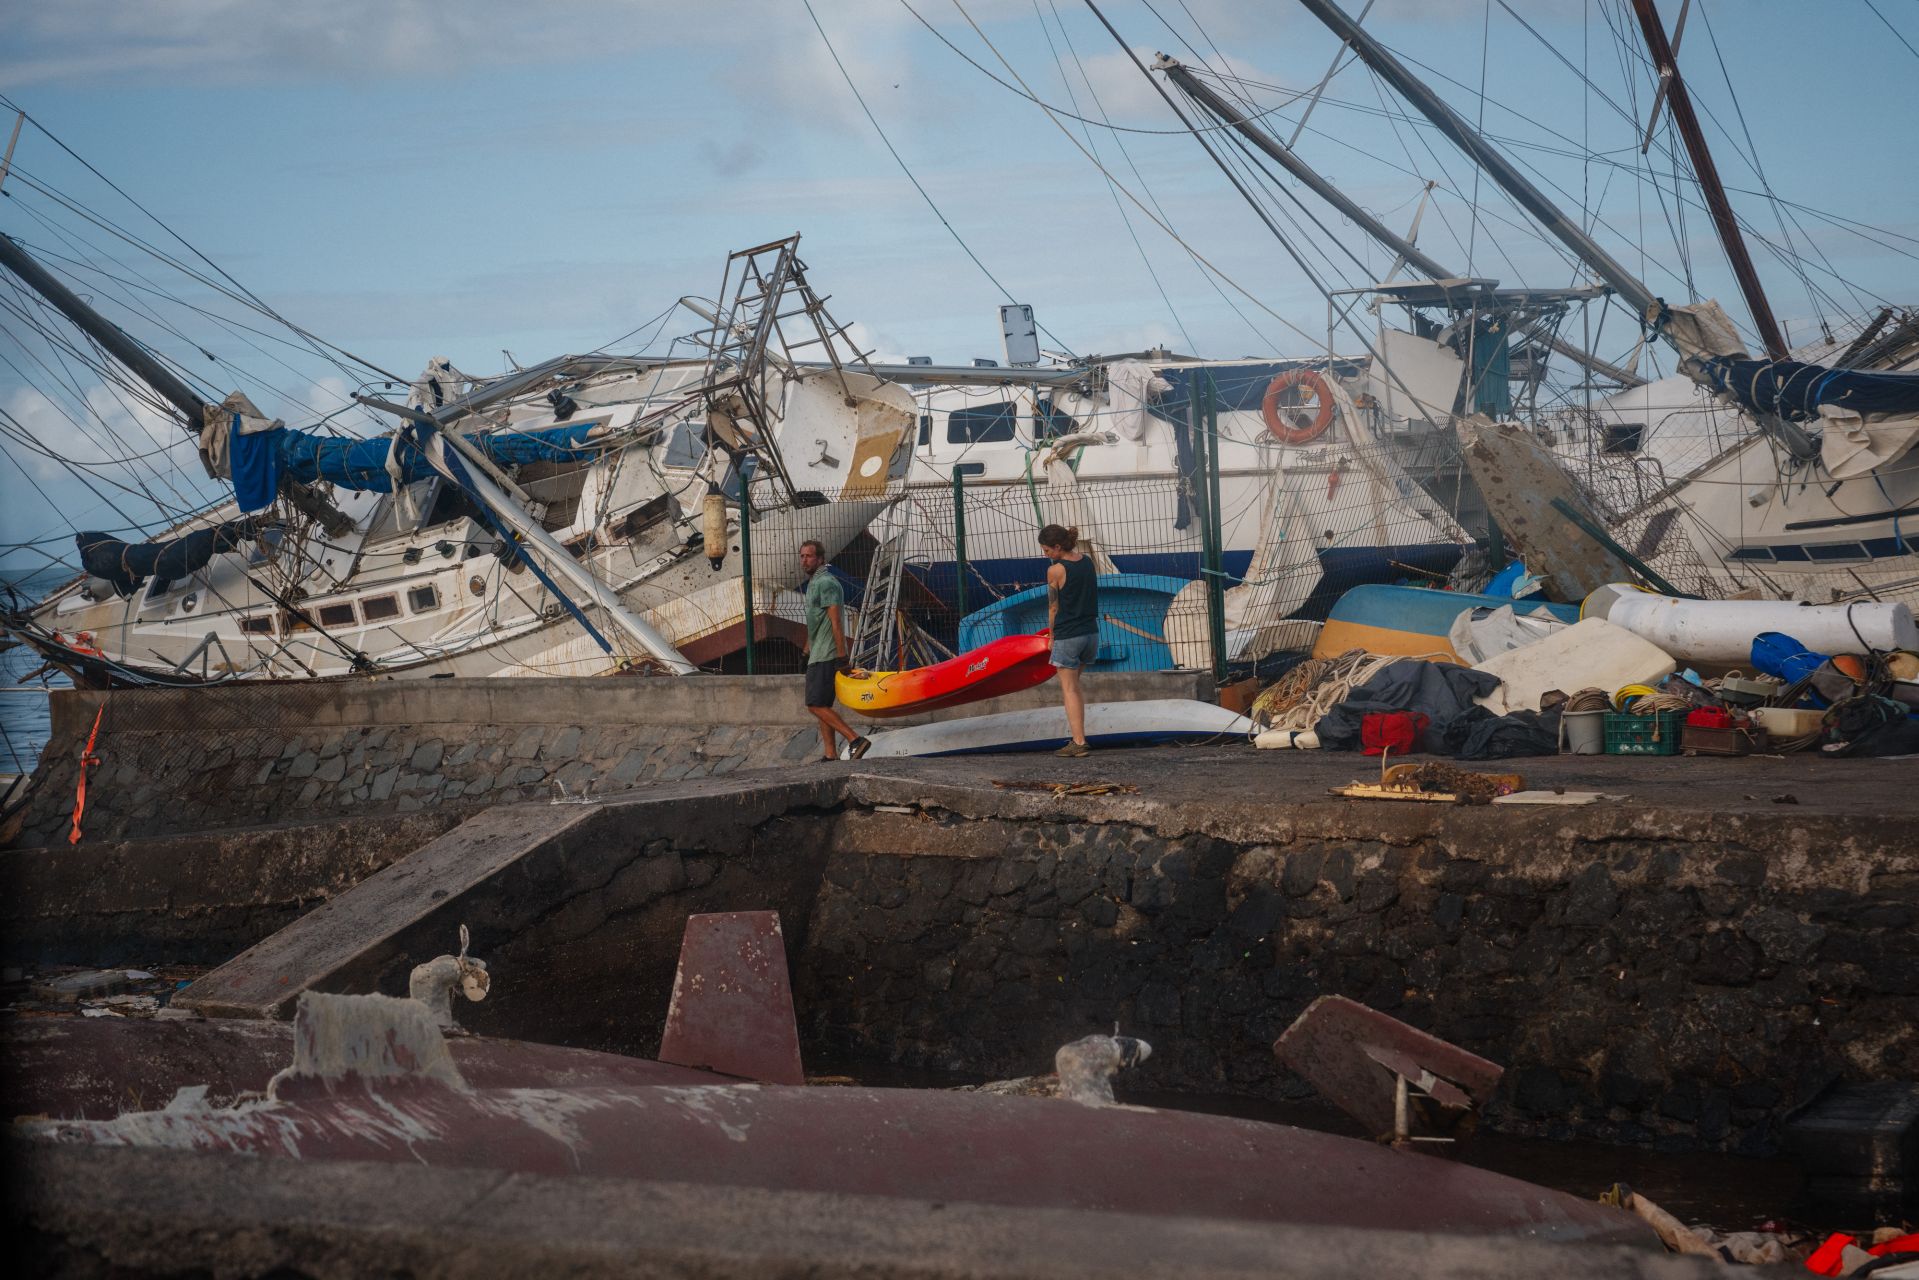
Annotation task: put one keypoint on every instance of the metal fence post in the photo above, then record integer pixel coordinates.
(746, 558)
(1215, 553)
(959, 536)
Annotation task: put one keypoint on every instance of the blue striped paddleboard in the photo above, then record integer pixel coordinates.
(1108, 724)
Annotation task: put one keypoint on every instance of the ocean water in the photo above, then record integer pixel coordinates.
(24, 723)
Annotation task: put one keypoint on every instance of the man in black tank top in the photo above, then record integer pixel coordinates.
(1072, 612)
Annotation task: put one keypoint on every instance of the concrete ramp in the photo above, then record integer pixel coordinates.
(589, 890)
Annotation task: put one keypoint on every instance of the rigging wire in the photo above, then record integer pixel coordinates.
(1165, 219)
(1897, 35)
(907, 170)
(256, 300)
(1141, 206)
(1118, 204)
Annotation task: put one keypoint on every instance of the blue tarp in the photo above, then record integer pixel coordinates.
(1792, 390)
(255, 461)
(361, 464)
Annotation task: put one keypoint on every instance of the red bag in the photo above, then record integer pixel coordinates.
(1391, 731)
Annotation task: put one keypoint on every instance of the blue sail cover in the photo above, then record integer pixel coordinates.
(1795, 391)
(361, 464)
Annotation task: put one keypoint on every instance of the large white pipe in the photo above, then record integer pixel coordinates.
(1721, 631)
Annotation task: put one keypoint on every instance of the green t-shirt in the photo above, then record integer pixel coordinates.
(823, 591)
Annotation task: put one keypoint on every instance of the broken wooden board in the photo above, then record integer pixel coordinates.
(1350, 1054)
(1373, 791)
(1519, 479)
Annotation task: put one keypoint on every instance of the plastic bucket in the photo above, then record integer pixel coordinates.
(1585, 732)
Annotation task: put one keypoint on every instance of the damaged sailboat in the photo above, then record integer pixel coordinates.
(576, 517)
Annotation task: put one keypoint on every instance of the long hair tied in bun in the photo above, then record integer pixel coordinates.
(1059, 537)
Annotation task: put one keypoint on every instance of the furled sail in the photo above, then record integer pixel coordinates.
(129, 564)
(1868, 417)
(258, 460)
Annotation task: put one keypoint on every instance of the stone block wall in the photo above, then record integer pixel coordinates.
(152, 783)
(1679, 985)
(173, 761)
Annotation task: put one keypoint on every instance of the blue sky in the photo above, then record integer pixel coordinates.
(409, 178)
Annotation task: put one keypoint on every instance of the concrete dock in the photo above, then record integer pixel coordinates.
(1677, 965)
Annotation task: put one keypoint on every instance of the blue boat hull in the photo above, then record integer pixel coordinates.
(1132, 609)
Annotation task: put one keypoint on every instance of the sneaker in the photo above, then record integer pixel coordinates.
(1073, 750)
(859, 748)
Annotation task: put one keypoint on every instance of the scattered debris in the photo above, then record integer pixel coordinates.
(1071, 788)
(1555, 797)
(1435, 781)
(1757, 1248)
(66, 990)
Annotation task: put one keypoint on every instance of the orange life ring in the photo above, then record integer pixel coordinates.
(1285, 432)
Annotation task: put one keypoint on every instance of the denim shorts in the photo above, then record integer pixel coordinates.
(1074, 652)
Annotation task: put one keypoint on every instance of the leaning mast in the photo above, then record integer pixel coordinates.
(1706, 173)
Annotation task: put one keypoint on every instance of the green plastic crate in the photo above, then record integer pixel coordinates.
(1654, 735)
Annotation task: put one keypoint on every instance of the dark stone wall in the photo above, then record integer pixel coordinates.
(188, 899)
(1648, 990)
(153, 781)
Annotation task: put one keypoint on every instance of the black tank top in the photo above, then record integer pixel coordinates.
(1078, 600)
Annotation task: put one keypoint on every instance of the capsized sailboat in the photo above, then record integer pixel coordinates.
(575, 517)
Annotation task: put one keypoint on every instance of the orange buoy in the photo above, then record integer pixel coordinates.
(1285, 431)
(1849, 666)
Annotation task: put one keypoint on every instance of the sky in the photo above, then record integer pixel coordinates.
(407, 178)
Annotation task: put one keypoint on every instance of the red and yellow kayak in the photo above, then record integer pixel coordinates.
(1004, 666)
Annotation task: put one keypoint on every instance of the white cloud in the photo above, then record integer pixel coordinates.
(245, 40)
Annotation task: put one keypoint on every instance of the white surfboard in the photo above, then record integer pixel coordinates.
(1044, 728)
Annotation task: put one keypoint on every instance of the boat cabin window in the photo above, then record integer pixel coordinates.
(450, 503)
(390, 520)
(557, 486)
(337, 615)
(379, 608)
(423, 599)
(926, 429)
(687, 447)
(1837, 551)
(982, 424)
(1052, 423)
(265, 542)
(260, 626)
(1624, 437)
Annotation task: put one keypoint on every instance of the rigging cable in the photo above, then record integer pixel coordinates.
(1165, 219)
(900, 160)
(257, 301)
(1118, 204)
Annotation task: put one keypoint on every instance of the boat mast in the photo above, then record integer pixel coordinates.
(156, 375)
(1388, 68)
(1190, 85)
(106, 333)
(1707, 175)
(1409, 253)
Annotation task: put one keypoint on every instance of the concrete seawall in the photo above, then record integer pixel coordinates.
(175, 761)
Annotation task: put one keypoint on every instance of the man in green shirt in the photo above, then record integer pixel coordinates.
(826, 651)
